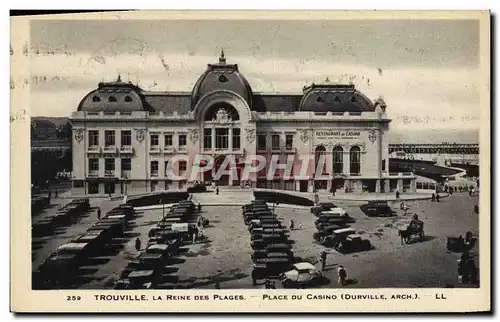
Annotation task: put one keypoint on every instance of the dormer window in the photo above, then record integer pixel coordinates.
(354, 99)
(128, 99)
(319, 99)
(336, 99)
(112, 99)
(96, 99)
(222, 78)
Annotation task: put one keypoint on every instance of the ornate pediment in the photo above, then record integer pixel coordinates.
(140, 135)
(304, 135)
(372, 135)
(222, 116)
(78, 135)
(250, 135)
(193, 135)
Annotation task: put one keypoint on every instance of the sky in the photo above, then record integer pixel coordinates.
(426, 70)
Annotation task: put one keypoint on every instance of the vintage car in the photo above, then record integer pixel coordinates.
(283, 248)
(140, 277)
(460, 244)
(322, 223)
(259, 254)
(301, 275)
(271, 267)
(327, 231)
(323, 206)
(200, 187)
(64, 264)
(264, 242)
(377, 209)
(337, 236)
(260, 244)
(353, 243)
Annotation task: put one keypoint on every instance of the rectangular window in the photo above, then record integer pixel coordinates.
(383, 165)
(109, 164)
(182, 166)
(275, 141)
(155, 142)
(169, 140)
(154, 168)
(221, 139)
(261, 142)
(93, 138)
(182, 140)
(207, 139)
(93, 164)
(236, 139)
(126, 138)
(109, 138)
(419, 185)
(126, 164)
(289, 141)
(93, 188)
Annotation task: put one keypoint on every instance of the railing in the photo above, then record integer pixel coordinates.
(110, 149)
(126, 174)
(169, 149)
(126, 149)
(154, 174)
(94, 148)
(93, 173)
(154, 149)
(182, 148)
(109, 173)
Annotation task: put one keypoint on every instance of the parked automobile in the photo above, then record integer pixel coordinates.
(271, 267)
(301, 275)
(323, 206)
(377, 208)
(337, 236)
(327, 231)
(353, 243)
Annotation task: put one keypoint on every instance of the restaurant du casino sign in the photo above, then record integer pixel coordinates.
(337, 135)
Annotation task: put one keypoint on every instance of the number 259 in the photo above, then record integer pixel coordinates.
(73, 298)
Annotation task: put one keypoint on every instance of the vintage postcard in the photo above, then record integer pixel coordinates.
(251, 162)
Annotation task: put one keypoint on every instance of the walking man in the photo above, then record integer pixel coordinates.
(437, 197)
(323, 260)
(217, 285)
(342, 275)
(217, 191)
(292, 225)
(433, 197)
(397, 195)
(137, 244)
(98, 213)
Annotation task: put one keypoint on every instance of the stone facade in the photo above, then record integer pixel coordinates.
(123, 137)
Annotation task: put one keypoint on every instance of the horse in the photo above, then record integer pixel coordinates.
(405, 236)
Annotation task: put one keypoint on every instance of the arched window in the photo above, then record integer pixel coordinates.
(320, 157)
(128, 99)
(112, 99)
(227, 109)
(96, 99)
(355, 160)
(338, 160)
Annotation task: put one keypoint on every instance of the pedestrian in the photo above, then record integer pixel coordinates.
(199, 207)
(98, 213)
(450, 192)
(195, 234)
(342, 275)
(476, 209)
(323, 260)
(217, 191)
(268, 284)
(397, 194)
(137, 244)
(433, 198)
(292, 225)
(217, 285)
(300, 225)
(254, 277)
(437, 197)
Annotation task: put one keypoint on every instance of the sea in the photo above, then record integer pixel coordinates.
(434, 136)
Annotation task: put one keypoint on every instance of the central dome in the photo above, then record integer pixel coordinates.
(221, 76)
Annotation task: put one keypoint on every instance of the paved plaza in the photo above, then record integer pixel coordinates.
(226, 256)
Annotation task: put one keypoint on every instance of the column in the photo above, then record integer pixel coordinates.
(377, 186)
(400, 185)
(230, 139)
(213, 138)
(387, 185)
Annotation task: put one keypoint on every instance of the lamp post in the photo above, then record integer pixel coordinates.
(163, 214)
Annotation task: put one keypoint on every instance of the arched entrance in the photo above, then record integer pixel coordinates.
(320, 167)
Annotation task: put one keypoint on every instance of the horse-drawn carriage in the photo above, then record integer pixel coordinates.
(414, 230)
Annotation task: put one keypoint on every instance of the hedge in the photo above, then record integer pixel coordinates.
(271, 196)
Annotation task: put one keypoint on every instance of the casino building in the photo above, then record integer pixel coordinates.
(123, 136)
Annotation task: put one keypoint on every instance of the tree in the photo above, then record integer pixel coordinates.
(64, 131)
